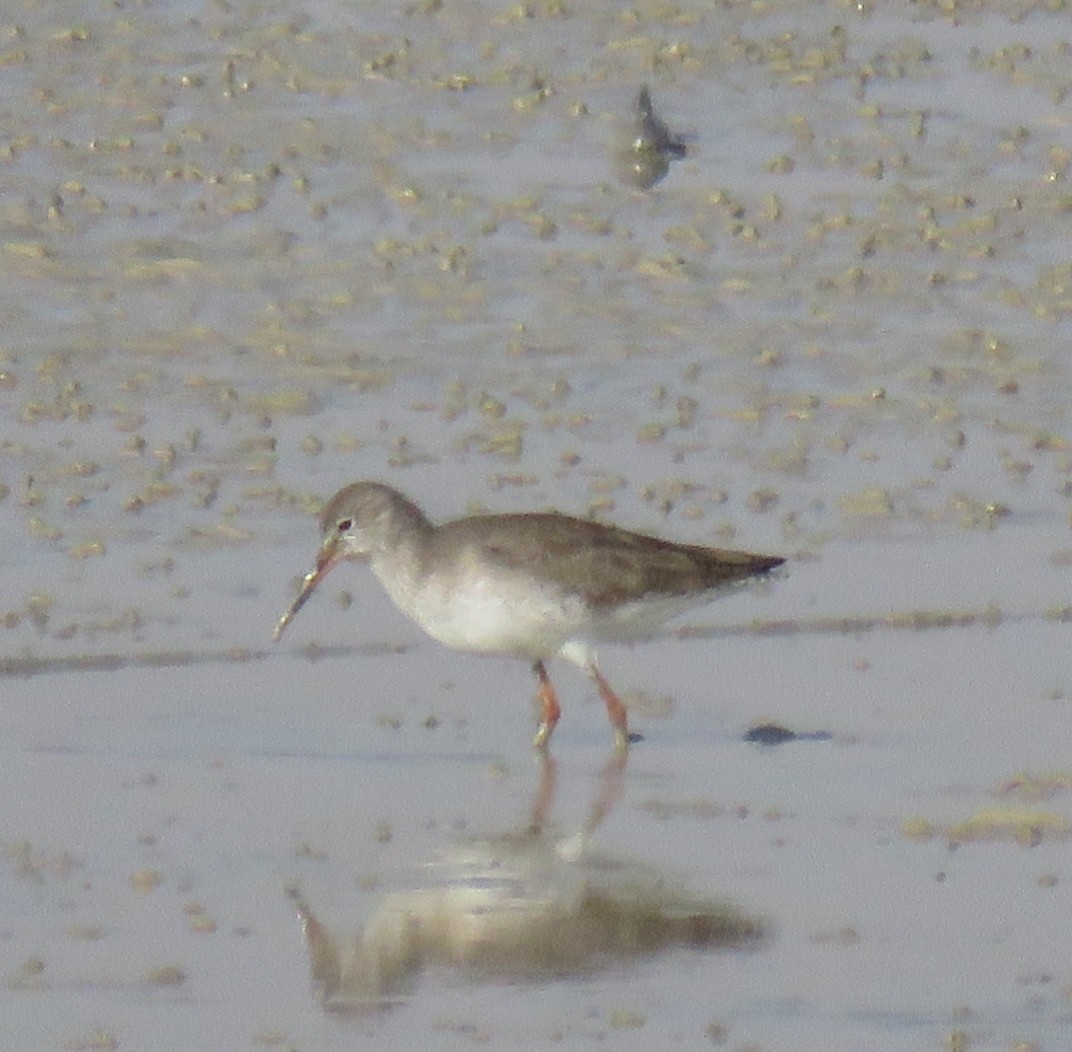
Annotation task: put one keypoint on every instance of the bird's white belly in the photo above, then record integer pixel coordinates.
(494, 618)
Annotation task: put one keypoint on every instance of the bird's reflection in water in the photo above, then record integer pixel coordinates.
(520, 906)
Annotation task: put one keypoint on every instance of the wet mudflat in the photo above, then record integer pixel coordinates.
(252, 252)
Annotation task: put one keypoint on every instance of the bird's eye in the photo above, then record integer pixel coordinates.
(344, 525)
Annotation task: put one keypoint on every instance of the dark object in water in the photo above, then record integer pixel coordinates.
(652, 146)
(776, 734)
(652, 132)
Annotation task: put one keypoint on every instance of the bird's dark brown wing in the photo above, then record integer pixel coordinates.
(603, 564)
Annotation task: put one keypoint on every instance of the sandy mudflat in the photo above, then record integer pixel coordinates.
(250, 252)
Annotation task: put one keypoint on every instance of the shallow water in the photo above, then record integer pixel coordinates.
(253, 252)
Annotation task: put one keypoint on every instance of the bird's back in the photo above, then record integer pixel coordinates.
(603, 565)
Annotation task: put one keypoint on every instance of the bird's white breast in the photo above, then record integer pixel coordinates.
(467, 609)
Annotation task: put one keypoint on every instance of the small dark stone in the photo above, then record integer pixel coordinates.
(776, 734)
(769, 734)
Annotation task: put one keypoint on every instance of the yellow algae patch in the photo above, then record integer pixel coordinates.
(1023, 826)
(1010, 823)
(975, 514)
(27, 249)
(41, 530)
(145, 880)
(917, 828)
(301, 403)
(166, 975)
(222, 535)
(164, 269)
(154, 493)
(873, 502)
(1037, 786)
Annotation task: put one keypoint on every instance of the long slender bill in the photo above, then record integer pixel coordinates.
(329, 554)
(309, 582)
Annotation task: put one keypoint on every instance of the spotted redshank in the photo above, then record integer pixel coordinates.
(526, 585)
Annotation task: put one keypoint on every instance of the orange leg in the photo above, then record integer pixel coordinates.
(549, 704)
(619, 719)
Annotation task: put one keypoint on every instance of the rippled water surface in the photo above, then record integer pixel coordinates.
(251, 252)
